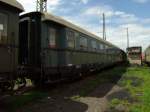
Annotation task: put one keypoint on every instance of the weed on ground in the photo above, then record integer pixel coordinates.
(136, 82)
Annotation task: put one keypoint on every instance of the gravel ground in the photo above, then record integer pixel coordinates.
(61, 99)
(2, 105)
(1, 110)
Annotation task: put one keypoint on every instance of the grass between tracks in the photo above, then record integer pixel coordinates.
(136, 81)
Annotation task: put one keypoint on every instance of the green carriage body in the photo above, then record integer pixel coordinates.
(61, 49)
(147, 55)
(9, 28)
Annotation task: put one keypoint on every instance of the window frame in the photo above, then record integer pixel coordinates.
(94, 45)
(4, 14)
(71, 39)
(100, 46)
(51, 37)
(84, 43)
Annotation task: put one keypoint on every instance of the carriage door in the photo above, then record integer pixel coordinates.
(5, 50)
(24, 36)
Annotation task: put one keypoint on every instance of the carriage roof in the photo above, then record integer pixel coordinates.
(13, 3)
(50, 17)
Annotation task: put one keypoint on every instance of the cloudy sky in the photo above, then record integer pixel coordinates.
(120, 14)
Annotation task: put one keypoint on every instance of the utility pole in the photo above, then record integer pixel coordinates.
(127, 38)
(104, 28)
(41, 5)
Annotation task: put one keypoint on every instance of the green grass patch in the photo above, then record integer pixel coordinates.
(15, 102)
(136, 81)
(116, 102)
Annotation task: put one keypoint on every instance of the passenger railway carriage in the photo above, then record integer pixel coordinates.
(135, 55)
(9, 27)
(59, 50)
(47, 48)
(147, 55)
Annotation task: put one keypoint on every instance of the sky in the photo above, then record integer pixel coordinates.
(119, 14)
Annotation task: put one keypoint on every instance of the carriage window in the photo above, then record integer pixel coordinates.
(71, 39)
(101, 46)
(3, 28)
(83, 42)
(106, 47)
(52, 37)
(94, 46)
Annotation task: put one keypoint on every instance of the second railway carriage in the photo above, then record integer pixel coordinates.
(57, 49)
(9, 30)
(147, 55)
(134, 55)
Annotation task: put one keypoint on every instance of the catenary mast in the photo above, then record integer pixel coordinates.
(41, 5)
(104, 28)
